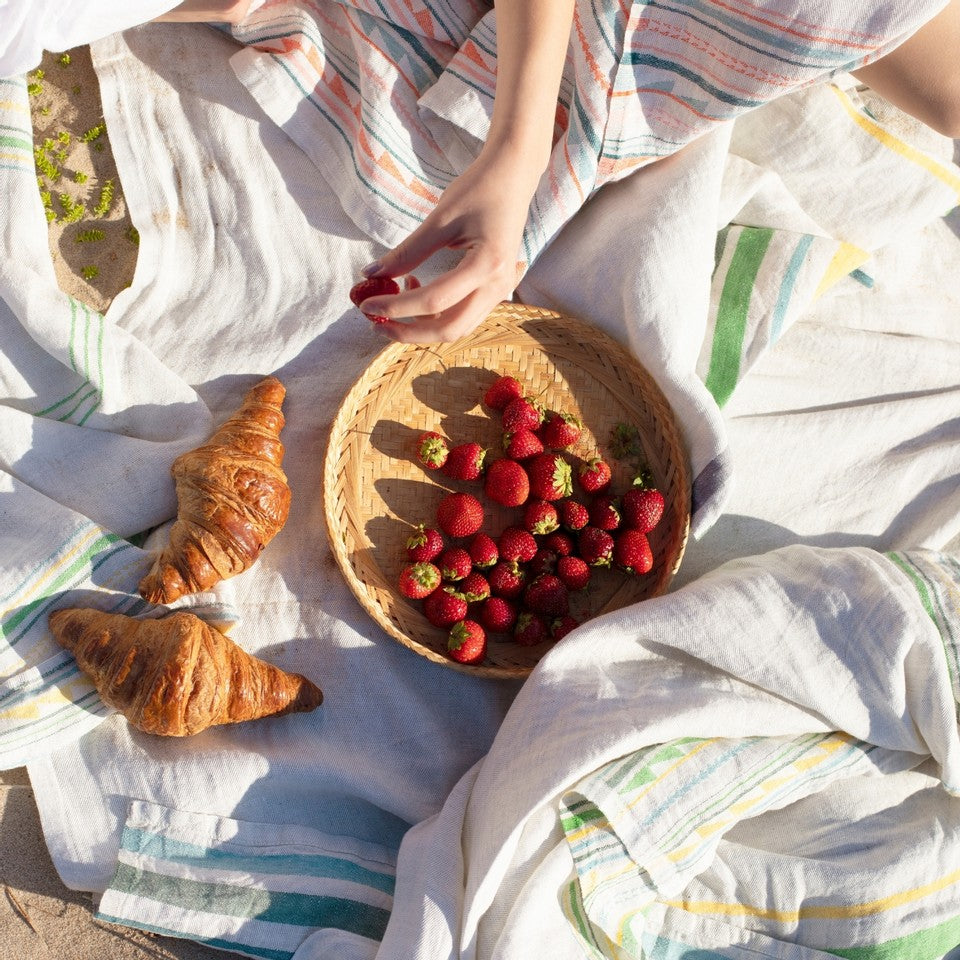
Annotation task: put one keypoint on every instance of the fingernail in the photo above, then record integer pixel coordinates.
(372, 269)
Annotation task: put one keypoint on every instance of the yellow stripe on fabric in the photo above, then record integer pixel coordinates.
(825, 912)
(847, 258)
(59, 696)
(896, 145)
(14, 105)
(50, 571)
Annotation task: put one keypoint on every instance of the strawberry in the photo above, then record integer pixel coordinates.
(540, 517)
(605, 512)
(549, 476)
(498, 615)
(573, 515)
(432, 449)
(560, 543)
(443, 609)
(506, 579)
(594, 475)
(518, 544)
(473, 587)
(467, 642)
(632, 553)
(454, 563)
(596, 546)
(625, 441)
(419, 580)
(483, 551)
(642, 508)
(374, 287)
(522, 412)
(465, 461)
(574, 572)
(548, 595)
(460, 515)
(507, 483)
(502, 391)
(560, 430)
(530, 629)
(561, 626)
(544, 561)
(521, 444)
(424, 543)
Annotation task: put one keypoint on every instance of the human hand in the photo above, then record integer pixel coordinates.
(482, 212)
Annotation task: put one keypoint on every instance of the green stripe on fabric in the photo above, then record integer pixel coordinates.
(271, 906)
(235, 946)
(73, 328)
(732, 312)
(929, 944)
(305, 865)
(59, 403)
(16, 142)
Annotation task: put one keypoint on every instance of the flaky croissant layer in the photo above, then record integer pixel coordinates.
(232, 500)
(178, 675)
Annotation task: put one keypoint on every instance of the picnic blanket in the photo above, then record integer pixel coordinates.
(282, 837)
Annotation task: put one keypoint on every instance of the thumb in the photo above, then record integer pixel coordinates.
(408, 254)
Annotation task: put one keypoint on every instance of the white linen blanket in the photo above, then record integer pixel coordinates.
(246, 254)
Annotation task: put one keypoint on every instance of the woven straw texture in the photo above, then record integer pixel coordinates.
(375, 491)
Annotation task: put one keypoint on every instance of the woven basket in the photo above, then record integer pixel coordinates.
(375, 490)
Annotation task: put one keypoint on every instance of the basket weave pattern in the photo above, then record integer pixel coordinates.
(375, 490)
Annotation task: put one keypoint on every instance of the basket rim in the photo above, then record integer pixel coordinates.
(392, 354)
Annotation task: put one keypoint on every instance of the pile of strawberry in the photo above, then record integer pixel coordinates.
(569, 525)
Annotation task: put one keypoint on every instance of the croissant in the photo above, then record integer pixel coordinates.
(177, 676)
(232, 500)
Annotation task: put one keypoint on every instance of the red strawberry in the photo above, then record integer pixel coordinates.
(506, 579)
(473, 587)
(548, 595)
(642, 508)
(515, 543)
(631, 552)
(573, 515)
(498, 615)
(522, 412)
(596, 546)
(454, 563)
(465, 461)
(521, 444)
(605, 512)
(374, 287)
(419, 580)
(530, 629)
(544, 561)
(460, 515)
(432, 449)
(502, 391)
(443, 609)
(467, 642)
(560, 543)
(560, 430)
(560, 627)
(540, 517)
(574, 572)
(594, 475)
(506, 483)
(549, 476)
(424, 543)
(483, 551)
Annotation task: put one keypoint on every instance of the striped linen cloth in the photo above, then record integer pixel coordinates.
(260, 890)
(765, 763)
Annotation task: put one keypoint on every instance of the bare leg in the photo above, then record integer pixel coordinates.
(207, 11)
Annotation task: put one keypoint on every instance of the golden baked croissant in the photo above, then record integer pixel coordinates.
(232, 500)
(177, 676)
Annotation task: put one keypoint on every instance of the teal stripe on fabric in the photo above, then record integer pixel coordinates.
(643, 61)
(219, 943)
(32, 732)
(43, 565)
(659, 947)
(861, 276)
(73, 332)
(63, 670)
(19, 169)
(733, 310)
(270, 906)
(148, 844)
(797, 259)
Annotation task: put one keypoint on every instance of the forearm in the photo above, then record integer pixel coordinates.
(532, 39)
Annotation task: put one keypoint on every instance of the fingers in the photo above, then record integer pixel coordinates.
(425, 241)
(444, 327)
